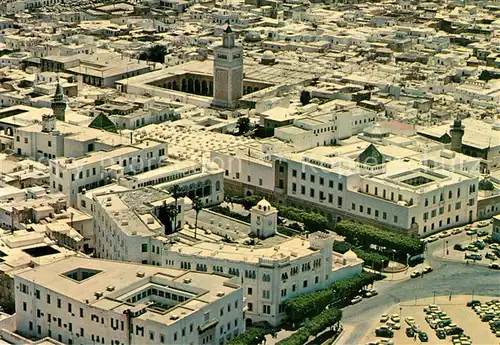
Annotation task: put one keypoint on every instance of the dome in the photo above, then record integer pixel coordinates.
(376, 131)
(212, 166)
(264, 205)
(350, 256)
(268, 55)
(496, 126)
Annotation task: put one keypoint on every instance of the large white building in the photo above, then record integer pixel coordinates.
(89, 301)
(126, 224)
(72, 175)
(402, 194)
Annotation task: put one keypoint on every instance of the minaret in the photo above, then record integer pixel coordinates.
(58, 104)
(228, 71)
(457, 132)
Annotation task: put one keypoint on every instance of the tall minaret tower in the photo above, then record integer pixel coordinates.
(228, 71)
(457, 132)
(58, 104)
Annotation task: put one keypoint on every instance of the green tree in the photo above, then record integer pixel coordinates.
(485, 184)
(176, 194)
(243, 125)
(155, 53)
(305, 97)
(197, 206)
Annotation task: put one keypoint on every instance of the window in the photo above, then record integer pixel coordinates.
(341, 186)
(384, 215)
(312, 178)
(48, 299)
(330, 183)
(249, 178)
(353, 206)
(321, 181)
(433, 213)
(294, 173)
(303, 176)
(302, 190)
(144, 247)
(81, 312)
(250, 306)
(238, 175)
(49, 143)
(339, 201)
(458, 205)
(311, 192)
(37, 294)
(282, 169)
(361, 208)
(294, 187)
(369, 210)
(69, 308)
(25, 140)
(395, 219)
(376, 213)
(304, 283)
(59, 303)
(249, 291)
(426, 216)
(266, 309)
(25, 306)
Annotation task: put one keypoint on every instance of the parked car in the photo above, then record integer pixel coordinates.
(471, 247)
(469, 226)
(494, 266)
(395, 317)
(428, 269)
(371, 293)
(410, 332)
(423, 337)
(384, 331)
(444, 234)
(473, 256)
(479, 244)
(490, 256)
(384, 318)
(433, 238)
(494, 246)
(483, 233)
(473, 303)
(471, 231)
(456, 231)
(415, 274)
(410, 320)
(356, 299)
(459, 247)
(483, 223)
(440, 333)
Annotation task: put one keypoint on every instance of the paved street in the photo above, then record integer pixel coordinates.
(448, 277)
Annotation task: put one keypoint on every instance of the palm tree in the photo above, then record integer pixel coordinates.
(176, 193)
(197, 206)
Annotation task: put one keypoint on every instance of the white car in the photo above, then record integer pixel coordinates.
(410, 320)
(456, 231)
(395, 318)
(483, 223)
(444, 234)
(356, 299)
(433, 238)
(384, 318)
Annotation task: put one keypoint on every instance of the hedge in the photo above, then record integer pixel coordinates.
(307, 306)
(366, 235)
(227, 212)
(252, 336)
(313, 327)
(312, 221)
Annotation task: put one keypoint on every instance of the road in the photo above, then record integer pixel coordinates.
(448, 278)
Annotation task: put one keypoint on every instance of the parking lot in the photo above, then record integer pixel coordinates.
(454, 311)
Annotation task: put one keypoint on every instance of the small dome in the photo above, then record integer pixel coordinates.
(212, 166)
(350, 256)
(264, 205)
(268, 55)
(376, 131)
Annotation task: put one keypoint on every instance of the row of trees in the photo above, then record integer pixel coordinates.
(312, 221)
(366, 235)
(252, 336)
(307, 306)
(313, 327)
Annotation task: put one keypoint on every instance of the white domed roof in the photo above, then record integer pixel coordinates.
(212, 166)
(268, 55)
(496, 126)
(264, 204)
(350, 256)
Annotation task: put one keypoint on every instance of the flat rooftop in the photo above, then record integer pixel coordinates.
(81, 278)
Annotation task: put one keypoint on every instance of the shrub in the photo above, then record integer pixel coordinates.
(252, 336)
(366, 235)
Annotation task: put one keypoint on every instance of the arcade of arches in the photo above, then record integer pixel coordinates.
(201, 84)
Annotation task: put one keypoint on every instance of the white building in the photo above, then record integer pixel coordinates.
(71, 176)
(194, 180)
(400, 194)
(126, 224)
(88, 301)
(270, 274)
